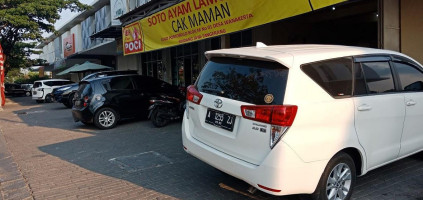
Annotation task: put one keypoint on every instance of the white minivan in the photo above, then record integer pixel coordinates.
(41, 90)
(304, 119)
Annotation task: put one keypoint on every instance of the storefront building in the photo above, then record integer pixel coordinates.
(167, 39)
(74, 43)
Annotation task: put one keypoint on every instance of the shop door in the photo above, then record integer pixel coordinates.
(185, 66)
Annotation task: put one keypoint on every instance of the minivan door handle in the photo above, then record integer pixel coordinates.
(410, 103)
(364, 107)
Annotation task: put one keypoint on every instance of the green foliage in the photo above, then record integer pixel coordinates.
(30, 78)
(15, 76)
(25, 20)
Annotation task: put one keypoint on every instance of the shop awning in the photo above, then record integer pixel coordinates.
(66, 71)
(109, 32)
(87, 66)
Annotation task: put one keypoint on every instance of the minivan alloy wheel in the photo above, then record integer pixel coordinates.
(338, 179)
(339, 182)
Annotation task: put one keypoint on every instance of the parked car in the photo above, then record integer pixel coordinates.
(108, 73)
(27, 88)
(104, 101)
(65, 94)
(12, 89)
(304, 119)
(42, 89)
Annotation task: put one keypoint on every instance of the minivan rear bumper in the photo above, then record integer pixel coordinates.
(281, 170)
(37, 95)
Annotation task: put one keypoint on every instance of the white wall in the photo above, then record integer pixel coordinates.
(48, 53)
(50, 50)
(127, 62)
(77, 31)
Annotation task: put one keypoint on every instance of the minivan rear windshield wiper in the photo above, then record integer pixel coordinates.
(213, 91)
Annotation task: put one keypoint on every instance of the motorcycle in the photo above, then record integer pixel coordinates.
(165, 108)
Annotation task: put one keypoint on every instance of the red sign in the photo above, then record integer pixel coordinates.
(132, 39)
(2, 59)
(69, 45)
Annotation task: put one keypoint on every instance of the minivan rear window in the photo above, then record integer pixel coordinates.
(84, 89)
(252, 81)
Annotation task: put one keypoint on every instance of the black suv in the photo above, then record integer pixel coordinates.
(65, 93)
(104, 101)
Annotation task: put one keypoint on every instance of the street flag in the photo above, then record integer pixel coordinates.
(2, 59)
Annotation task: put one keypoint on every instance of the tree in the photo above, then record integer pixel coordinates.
(22, 21)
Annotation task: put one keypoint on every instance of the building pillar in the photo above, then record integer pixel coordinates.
(225, 42)
(412, 28)
(389, 25)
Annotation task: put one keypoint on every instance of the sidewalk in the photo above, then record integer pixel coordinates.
(12, 183)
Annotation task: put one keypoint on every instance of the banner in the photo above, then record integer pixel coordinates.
(132, 38)
(69, 45)
(2, 59)
(193, 20)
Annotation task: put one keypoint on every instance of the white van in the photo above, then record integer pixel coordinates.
(304, 119)
(41, 90)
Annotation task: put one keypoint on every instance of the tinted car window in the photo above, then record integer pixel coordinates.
(244, 80)
(49, 83)
(360, 87)
(121, 83)
(66, 82)
(378, 77)
(37, 84)
(334, 76)
(411, 79)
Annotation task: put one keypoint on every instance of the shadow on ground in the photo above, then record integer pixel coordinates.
(152, 158)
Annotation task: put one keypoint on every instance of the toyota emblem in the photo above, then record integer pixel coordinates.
(218, 103)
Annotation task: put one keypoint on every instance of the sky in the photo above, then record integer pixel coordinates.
(67, 15)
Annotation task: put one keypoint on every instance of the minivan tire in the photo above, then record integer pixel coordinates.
(343, 163)
(69, 104)
(105, 118)
(49, 98)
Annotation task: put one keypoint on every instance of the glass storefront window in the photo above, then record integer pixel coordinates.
(152, 65)
(185, 66)
(241, 39)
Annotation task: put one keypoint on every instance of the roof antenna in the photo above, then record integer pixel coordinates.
(260, 45)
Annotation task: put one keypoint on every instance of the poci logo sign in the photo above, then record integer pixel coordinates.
(218, 103)
(68, 46)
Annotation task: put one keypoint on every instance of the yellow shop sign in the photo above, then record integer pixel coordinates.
(193, 20)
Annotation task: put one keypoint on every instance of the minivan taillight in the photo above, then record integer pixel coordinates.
(275, 115)
(280, 117)
(193, 95)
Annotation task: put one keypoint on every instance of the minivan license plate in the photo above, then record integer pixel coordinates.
(220, 119)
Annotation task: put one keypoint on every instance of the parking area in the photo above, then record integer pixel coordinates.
(45, 155)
